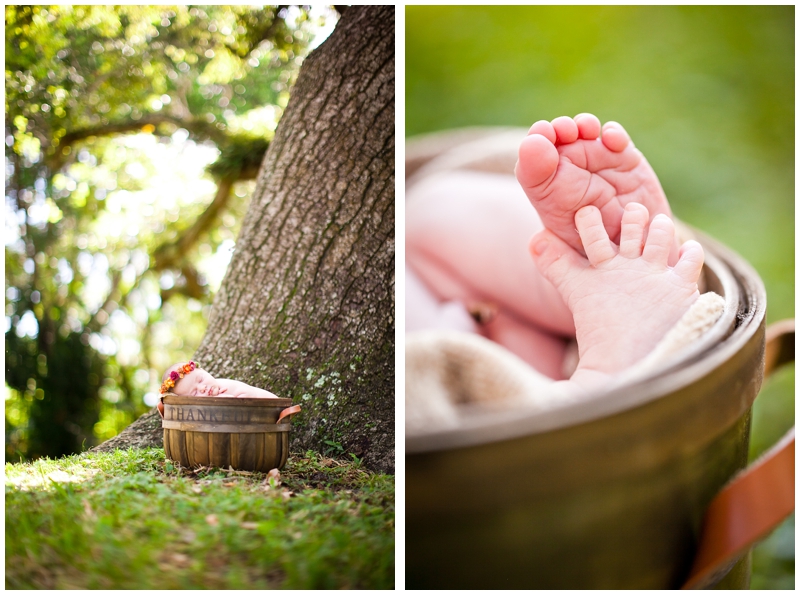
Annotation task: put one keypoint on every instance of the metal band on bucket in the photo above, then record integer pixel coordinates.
(193, 426)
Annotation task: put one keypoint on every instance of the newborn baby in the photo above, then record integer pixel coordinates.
(189, 380)
(607, 267)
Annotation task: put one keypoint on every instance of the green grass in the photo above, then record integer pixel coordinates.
(131, 520)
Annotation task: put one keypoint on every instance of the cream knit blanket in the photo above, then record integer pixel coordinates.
(446, 369)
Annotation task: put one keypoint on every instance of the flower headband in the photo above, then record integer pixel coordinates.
(176, 375)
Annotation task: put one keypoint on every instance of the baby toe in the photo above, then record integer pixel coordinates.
(544, 128)
(538, 160)
(588, 126)
(566, 130)
(659, 241)
(634, 222)
(614, 137)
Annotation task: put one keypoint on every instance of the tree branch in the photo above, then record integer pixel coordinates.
(169, 255)
(198, 127)
(191, 288)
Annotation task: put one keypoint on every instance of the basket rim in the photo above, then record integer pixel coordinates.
(173, 399)
(500, 426)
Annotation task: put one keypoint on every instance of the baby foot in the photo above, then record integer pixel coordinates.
(567, 164)
(623, 298)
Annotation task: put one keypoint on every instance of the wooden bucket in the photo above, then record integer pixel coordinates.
(610, 493)
(247, 434)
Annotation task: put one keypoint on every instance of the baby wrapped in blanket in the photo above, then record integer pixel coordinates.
(189, 380)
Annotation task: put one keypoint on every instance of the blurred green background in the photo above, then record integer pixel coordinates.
(707, 94)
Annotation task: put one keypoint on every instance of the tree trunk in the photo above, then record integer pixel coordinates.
(306, 309)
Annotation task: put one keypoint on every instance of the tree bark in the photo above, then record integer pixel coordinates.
(306, 309)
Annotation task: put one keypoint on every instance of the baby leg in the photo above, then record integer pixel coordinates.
(425, 311)
(466, 238)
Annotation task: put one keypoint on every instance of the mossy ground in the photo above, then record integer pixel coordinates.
(128, 519)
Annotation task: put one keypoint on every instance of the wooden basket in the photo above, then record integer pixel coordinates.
(247, 434)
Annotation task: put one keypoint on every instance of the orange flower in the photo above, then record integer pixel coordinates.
(176, 375)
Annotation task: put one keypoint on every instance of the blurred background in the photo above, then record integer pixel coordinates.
(133, 136)
(706, 93)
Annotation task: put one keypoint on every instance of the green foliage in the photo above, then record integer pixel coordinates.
(240, 157)
(63, 387)
(75, 67)
(115, 235)
(773, 559)
(125, 520)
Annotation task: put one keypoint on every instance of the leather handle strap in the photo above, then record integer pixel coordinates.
(288, 413)
(756, 500)
(779, 349)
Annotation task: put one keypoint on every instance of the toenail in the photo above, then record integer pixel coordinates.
(540, 246)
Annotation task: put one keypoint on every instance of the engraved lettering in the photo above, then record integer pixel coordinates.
(201, 415)
(180, 414)
(190, 416)
(212, 416)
